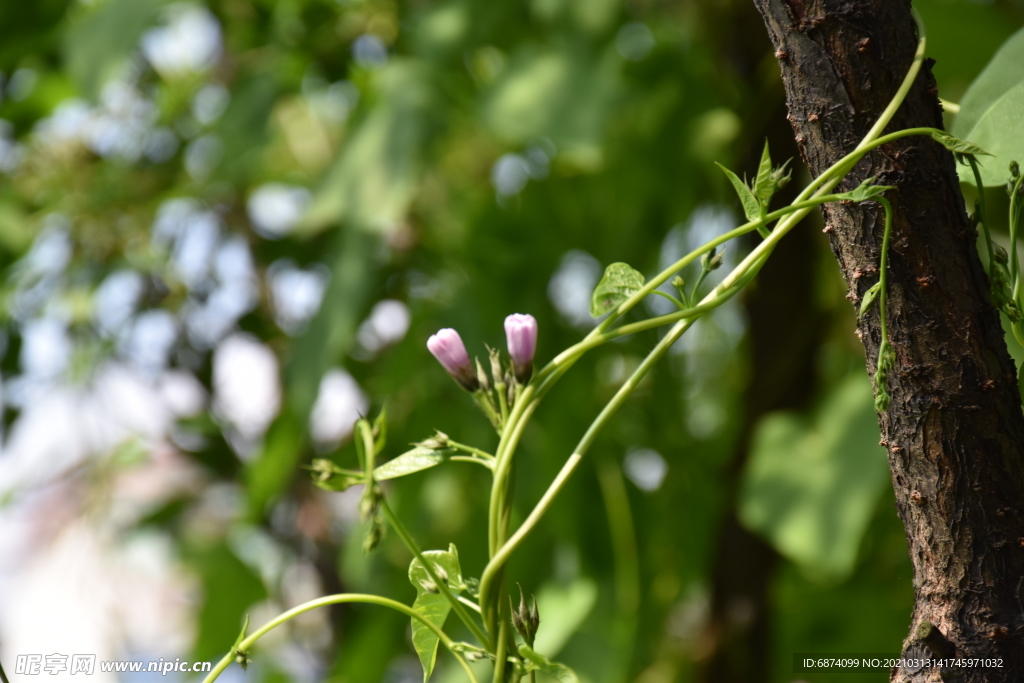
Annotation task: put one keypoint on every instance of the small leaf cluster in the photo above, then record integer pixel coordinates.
(755, 197)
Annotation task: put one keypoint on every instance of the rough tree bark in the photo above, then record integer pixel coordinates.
(954, 430)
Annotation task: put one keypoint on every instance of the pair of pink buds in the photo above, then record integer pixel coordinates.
(520, 333)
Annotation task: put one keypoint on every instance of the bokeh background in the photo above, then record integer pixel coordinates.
(227, 229)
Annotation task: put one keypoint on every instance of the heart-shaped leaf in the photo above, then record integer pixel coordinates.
(430, 603)
(620, 281)
(535, 661)
(990, 113)
(813, 481)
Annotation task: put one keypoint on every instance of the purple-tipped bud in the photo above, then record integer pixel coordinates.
(521, 334)
(449, 350)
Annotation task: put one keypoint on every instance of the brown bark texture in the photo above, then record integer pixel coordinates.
(954, 430)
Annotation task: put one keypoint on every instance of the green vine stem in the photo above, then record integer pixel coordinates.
(818, 189)
(244, 646)
(983, 214)
(624, 549)
(885, 353)
(501, 545)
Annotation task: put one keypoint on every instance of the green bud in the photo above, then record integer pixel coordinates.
(374, 535)
(1000, 254)
(496, 371)
(705, 260)
(1015, 169)
(481, 376)
(534, 615)
(716, 262)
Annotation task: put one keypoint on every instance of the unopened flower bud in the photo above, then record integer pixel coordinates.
(712, 260)
(521, 335)
(524, 620)
(447, 347)
(1014, 169)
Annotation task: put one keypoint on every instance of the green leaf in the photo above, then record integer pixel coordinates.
(620, 281)
(1003, 72)
(751, 207)
(231, 588)
(538, 662)
(330, 336)
(1000, 130)
(812, 482)
(869, 298)
(1020, 381)
(241, 635)
(764, 188)
(866, 191)
(380, 430)
(990, 113)
(563, 608)
(430, 603)
(99, 42)
(956, 145)
(416, 460)
(375, 176)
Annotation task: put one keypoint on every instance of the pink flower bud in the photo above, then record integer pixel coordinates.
(521, 334)
(447, 347)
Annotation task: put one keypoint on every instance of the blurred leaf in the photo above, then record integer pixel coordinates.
(230, 588)
(812, 481)
(564, 95)
(416, 460)
(329, 337)
(432, 604)
(990, 113)
(538, 662)
(374, 178)
(619, 282)
(15, 229)
(563, 608)
(101, 40)
(242, 129)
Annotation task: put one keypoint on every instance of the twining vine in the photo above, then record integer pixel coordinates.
(510, 392)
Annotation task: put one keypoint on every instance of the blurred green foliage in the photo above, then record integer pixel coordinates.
(460, 157)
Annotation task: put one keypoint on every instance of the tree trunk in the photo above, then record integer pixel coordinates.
(954, 430)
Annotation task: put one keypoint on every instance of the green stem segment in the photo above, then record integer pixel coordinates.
(442, 585)
(244, 646)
